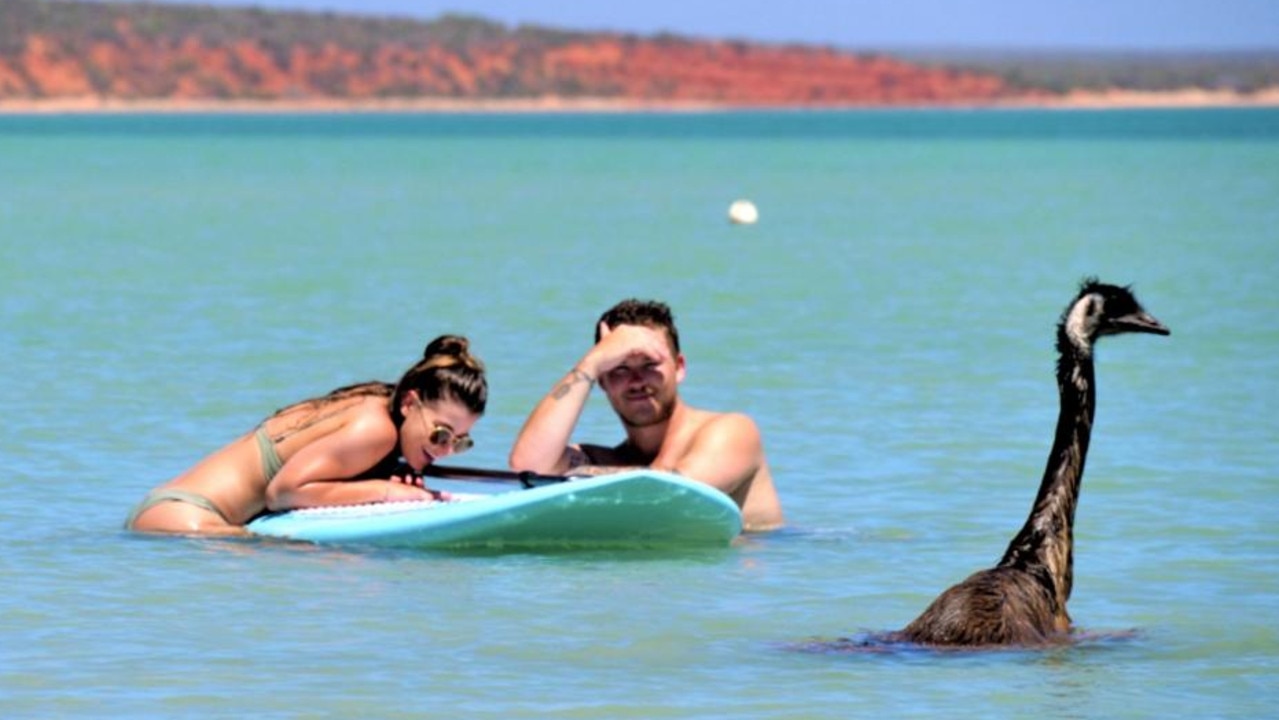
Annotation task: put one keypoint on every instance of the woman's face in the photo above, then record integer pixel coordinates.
(434, 429)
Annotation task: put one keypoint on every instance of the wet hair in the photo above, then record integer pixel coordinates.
(447, 371)
(647, 313)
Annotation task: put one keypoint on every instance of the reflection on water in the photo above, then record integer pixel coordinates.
(887, 643)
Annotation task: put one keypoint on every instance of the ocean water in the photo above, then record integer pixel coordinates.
(167, 281)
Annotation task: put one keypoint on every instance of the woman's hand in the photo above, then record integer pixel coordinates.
(408, 485)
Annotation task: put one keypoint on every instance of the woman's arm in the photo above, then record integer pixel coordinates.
(321, 472)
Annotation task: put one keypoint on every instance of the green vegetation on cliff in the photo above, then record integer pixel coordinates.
(1063, 70)
(83, 22)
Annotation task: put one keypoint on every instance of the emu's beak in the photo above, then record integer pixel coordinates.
(1140, 322)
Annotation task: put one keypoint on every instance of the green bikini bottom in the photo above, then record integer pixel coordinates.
(163, 495)
(271, 464)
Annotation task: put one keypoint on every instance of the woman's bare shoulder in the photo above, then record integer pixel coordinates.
(371, 415)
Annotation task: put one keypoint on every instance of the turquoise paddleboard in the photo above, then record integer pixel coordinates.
(641, 508)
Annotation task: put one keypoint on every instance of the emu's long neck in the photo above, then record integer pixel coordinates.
(1044, 546)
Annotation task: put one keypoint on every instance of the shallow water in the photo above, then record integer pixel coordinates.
(165, 282)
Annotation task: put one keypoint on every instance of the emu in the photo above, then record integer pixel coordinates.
(1022, 600)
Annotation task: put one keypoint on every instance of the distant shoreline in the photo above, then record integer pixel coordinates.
(1078, 99)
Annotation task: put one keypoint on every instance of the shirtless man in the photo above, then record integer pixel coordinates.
(637, 362)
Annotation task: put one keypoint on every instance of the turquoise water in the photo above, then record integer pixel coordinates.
(166, 281)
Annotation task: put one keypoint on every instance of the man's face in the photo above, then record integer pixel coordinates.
(642, 389)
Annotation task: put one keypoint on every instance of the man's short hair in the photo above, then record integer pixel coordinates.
(647, 313)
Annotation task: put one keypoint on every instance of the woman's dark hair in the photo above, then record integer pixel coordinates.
(447, 371)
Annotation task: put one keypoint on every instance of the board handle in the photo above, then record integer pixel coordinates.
(526, 478)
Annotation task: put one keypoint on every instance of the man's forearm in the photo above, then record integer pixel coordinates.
(541, 443)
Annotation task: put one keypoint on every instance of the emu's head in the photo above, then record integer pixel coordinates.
(1101, 309)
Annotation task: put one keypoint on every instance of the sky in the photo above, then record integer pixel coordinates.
(872, 24)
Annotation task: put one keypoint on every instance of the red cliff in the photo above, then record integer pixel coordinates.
(158, 52)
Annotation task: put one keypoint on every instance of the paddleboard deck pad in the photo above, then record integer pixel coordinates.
(640, 508)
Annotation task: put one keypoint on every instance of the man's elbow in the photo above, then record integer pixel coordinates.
(530, 460)
(522, 461)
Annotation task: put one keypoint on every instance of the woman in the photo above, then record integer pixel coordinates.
(358, 444)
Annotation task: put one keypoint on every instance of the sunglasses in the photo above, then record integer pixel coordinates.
(445, 435)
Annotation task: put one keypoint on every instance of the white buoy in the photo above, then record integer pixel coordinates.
(743, 212)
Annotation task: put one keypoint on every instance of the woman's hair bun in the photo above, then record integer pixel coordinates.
(451, 350)
(452, 345)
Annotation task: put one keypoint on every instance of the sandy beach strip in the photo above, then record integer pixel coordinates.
(1079, 99)
(97, 104)
(1186, 98)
